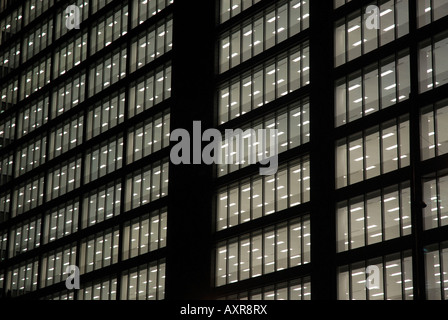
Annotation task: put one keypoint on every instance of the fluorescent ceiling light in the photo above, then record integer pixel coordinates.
(385, 12)
(353, 28)
(386, 73)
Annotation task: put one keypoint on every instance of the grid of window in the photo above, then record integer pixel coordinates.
(152, 43)
(435, 196)
(64, 178)
(66, 136)
(80, 67)
(61, 221)
(374, 217)
(109, 28)
(434, 136)
(339, 3)
(297, 289)
(99, 250)
(377, 150)
(431, 10)
(150, 90)
(375, 87)
(354, 37)
(292, 123)
(68, 94)
(28, 195)
(253, 36)
(11, 25)
(104, 159)
(33, 115)
(37, 39)
(5, 204)
(44, 22)
(432, 64)
(147, 185)
(145, 282)
(230, 8)
(148, 137)
(70, 54)
(271, 249)
(436, 261)
(259, 196)
(54, 264)
(105, 114)
(9, 59)
(6, 168)
(22, 278)
(35, 77)
(7, 131)
(9, 91)
(60, 296)
(3, 244)
(108, 71)
(25, 237)
(261, 85)
(105, 289)
(144, 9)
(101, 204)
(62, 15)
(391, 279)
(145, 234)
(31, 155)
(34, 8)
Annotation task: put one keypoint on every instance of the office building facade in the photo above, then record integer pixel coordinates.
(92, 89)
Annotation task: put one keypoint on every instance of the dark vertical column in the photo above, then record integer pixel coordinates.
(418, 262)
(322, 155)
(189, 248)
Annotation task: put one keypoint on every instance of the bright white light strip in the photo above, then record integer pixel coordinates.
(355, 147)
(385, 12)
(386, 73)
(388, 135)
(353, 28)
(390, 87)
(389, 28)
(392, 147)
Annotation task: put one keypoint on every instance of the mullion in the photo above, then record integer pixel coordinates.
(402, 276)
(103, 238)
(400, 205)
(436, 132)
(437, 199)
(288, 185)
(139, 240)
(442, 282)
(148, 277)
(349, 224)
(263, 251)
(395, 12)
(157, 279)
(276, 177)
(365, 215)
(384, 261)
(142, 190)
(302, 240)
(159, 227)
(164, 83)
(152, 122)
(433, 56)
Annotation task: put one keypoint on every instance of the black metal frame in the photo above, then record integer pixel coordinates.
(192, 237)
